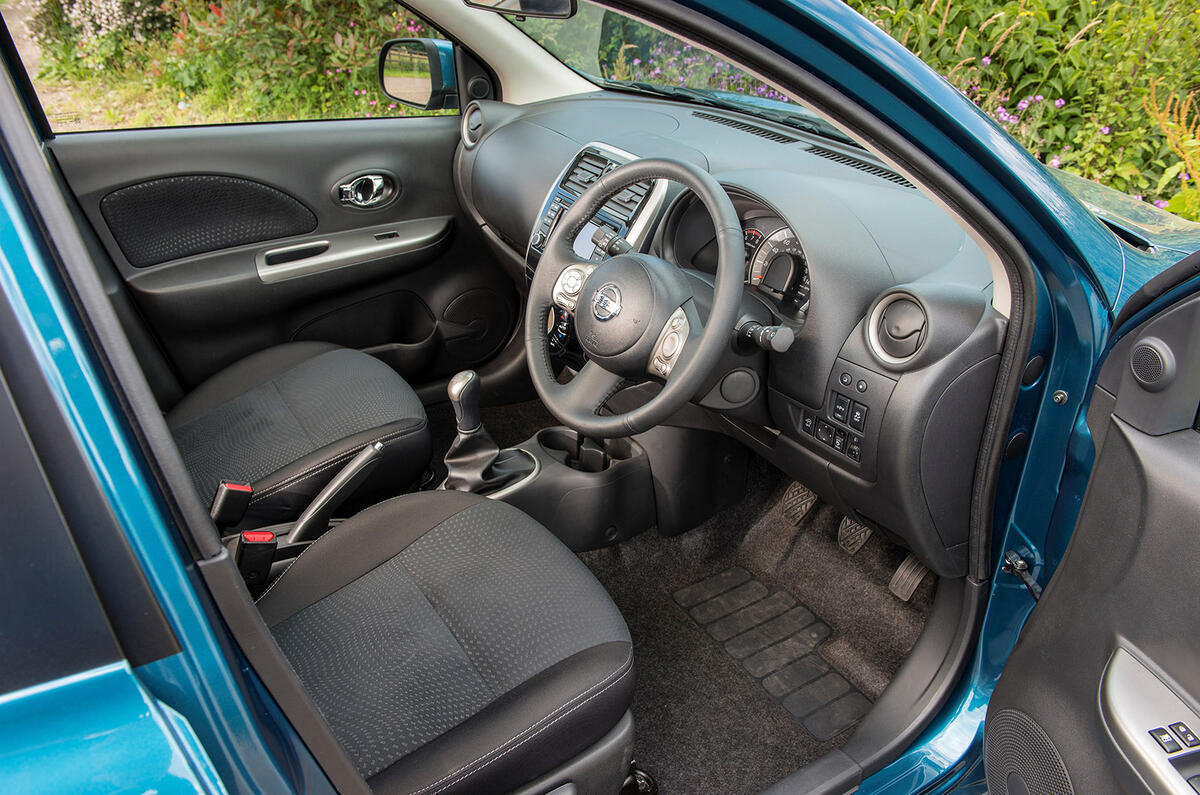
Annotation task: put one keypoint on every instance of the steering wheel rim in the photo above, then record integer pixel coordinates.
(669, 302)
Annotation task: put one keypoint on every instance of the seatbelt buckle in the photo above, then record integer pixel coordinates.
(253, 554)
(230, 502)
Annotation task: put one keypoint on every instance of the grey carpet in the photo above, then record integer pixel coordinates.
(702, 723)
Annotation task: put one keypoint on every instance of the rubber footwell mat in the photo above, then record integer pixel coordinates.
(774, 639)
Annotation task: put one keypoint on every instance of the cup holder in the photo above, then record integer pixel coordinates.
(589, 493)
(583, 454)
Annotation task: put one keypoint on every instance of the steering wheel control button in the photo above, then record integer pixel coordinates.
(572, 281)
(1165, 739)
(858, 417)
(846, 379)
(671, 344)
(1185, 735)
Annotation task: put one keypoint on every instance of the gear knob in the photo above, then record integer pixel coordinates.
(463, 391)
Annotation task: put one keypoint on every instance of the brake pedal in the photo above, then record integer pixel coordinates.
(852, 535)
(906, 579)
(798, 500)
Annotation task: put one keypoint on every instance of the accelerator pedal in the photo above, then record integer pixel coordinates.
(852, 535)
(798, 500)
(906, 579)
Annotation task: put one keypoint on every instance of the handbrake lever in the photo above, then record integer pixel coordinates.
(315, 519)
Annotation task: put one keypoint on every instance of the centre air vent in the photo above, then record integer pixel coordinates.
(897, 328)
(588, 167)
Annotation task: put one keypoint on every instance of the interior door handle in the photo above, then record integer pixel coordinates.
(367, 190)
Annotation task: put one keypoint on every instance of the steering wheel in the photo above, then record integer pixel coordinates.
(634, 314)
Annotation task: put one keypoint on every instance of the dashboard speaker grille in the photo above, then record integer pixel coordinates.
(753, 129)
(1148, 365)
(1152, 363)
(1021, 758)
(861, 165)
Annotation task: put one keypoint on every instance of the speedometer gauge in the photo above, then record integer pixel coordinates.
(779, 264)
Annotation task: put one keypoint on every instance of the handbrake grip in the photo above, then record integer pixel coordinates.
(315, 519)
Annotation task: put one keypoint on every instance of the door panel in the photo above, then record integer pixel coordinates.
(234, 238)
(1110, 654)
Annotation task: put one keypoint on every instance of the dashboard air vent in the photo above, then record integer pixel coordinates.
(753, 129)
(472, 125)
(588, 167)
(861, 165)
(897, 328)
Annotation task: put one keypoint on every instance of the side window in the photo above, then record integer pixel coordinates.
(113, 64)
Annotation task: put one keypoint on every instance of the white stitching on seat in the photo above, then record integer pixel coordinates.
(319, 467)
(463, 772)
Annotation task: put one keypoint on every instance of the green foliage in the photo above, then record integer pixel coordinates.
(1068, 78)
(279, 59)
(238, 60)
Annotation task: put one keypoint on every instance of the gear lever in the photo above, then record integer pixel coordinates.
(463, 390)
(474, 461)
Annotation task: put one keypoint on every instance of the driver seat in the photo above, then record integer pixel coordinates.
(452, 644)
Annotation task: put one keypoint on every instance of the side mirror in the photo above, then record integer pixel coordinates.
(556, 9)
(419, 72)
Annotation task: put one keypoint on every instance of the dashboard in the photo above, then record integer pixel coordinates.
(879, 403)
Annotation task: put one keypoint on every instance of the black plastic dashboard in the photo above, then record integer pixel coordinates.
(879, 404)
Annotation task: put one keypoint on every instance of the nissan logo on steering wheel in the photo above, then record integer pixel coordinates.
(606, 302)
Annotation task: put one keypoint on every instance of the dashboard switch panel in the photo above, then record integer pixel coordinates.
(848, 429)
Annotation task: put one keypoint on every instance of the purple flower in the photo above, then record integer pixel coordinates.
(1137, 196)
(1023, 104)
(1055, 162)
(985, 60)
(1058, 103)
(1105, 130)
(1039, 98)
(974, 89)
(656, 72)
(637, 61)
(1160, 204)
(1184, 177)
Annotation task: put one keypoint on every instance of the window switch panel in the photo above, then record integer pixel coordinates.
(1185, 735)
(1165, 739)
